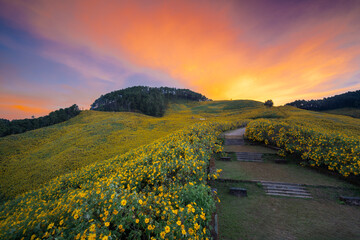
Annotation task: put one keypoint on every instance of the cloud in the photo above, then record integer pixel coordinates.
(281, 50)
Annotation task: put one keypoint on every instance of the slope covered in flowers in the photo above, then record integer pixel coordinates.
(35, 157)
(155, 191)
(320, 145)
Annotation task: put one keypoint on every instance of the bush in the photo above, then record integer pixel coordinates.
(155, 191)
(317, 146)
(269, 103)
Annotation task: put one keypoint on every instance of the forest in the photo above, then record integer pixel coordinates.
(148, 100)
(345, 100)
(22, 125)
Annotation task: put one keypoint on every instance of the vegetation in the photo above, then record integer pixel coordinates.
(33, 158)
(269, 103)
(260, 216)
(345, 100)
(351, 112)
(263, 217)
(336, 151)
(88, 174)
(19, 126)
(155, 191)
(148, 100)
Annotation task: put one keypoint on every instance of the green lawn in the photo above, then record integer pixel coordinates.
(259, 216)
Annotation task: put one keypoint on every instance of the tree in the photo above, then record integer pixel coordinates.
(269, 103)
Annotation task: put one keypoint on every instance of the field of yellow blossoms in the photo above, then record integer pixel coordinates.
(319, 146)
(158, 191)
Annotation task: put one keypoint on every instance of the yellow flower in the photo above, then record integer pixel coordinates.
(115, 212)
(92, 236)
(92, 227)
(147, 220)
(191, 231)
(105, 238)
(141, 202)
(50, 225)
(76, 216)
(107, 224)
(137, 220)
(123, 202)
(162, 234)
(178, 223)
(167, 229)
(183, 231)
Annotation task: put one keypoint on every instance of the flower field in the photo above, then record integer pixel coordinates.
(158, 191)
(320, 146)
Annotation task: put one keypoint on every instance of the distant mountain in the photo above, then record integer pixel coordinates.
(345, 100)
(148, 100)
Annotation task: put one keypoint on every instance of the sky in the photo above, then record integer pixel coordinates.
(57, 53)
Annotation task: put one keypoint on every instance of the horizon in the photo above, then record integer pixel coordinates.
(55, 54)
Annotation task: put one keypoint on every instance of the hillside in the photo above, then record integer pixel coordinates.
(125, 174)
(35, 157)
(351, 112)
(148, 100)
(345, 100)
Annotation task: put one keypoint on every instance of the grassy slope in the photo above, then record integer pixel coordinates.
(352, 112)
(30, 159)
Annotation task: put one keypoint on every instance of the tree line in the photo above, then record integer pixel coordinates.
(148, 100)
(348, 99)
(19, 126)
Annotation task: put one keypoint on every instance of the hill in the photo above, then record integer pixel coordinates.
(148, 100)
(132, 176)
(35, 157)
(345, 100)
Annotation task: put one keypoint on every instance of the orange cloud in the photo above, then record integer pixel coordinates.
(222, 50)
(15, 107)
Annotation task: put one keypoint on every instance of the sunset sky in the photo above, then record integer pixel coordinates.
(57, 53)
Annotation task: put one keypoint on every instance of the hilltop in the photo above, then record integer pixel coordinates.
(148, 100)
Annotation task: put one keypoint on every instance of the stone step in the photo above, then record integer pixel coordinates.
(287, 189)
(282, 186)
(249, 157)
(287, 192)
(234, 141)
(287, 195)
(250, 160)
(266, 183)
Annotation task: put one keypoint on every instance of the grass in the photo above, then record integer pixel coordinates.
(351, 112)
(264, 217)
(260, 216)
(33, 158)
